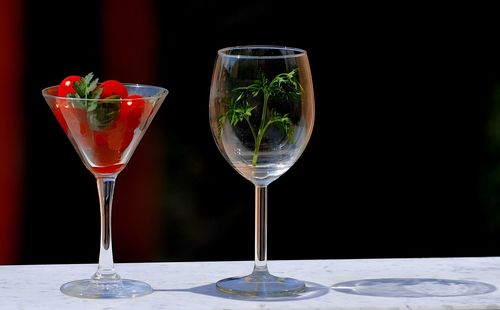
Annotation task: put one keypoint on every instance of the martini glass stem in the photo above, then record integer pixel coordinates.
(260, 229)
(106, 270)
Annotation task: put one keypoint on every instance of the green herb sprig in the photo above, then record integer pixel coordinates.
(241, 107)
(100, 112)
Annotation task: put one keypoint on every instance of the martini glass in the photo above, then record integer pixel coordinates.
(261, 116)
(105, 136)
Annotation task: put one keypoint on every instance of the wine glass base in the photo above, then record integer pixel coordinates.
(260, 284)
(96, 289)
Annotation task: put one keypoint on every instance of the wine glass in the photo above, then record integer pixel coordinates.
(105, 133)
(261, 116)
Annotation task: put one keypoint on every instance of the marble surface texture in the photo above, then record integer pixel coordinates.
(426, 283)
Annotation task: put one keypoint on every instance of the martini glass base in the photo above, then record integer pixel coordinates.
(97, 289)
(261, 284)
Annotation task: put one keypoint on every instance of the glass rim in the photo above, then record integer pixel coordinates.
(298, 52)
(162, 92)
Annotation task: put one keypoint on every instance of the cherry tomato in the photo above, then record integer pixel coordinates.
(60, 118)
(131, 110)
(100, 138)
(66, 85)
(128, 135)
(112, 87)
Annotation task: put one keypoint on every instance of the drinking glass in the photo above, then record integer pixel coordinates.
(105, 133)
(261, 116)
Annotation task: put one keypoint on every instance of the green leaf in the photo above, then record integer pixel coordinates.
(286, 86)
(101, 113)
(282, 121)
(237, 111)
(85, 86)
(91, 106)
(88, 78)
(93, 85)
(283, 88)
(96, 93)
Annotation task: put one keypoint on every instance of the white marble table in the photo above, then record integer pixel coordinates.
(430, 283)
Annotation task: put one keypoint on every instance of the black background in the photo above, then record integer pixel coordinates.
(401, 162)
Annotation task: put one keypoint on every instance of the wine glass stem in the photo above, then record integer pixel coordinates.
(260, 228)
(106, 270)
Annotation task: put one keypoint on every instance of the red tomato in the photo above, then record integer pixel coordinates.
(60, 118)
(66, 85)
(100, 138)
(56, 109)
(131, 110)
(127, 138)
(112, 87)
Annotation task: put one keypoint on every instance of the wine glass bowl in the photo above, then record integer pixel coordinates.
(105, 133)
(105, 139)
(261, 113)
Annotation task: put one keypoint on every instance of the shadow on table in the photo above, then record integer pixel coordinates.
(413, 287)
(313, 290)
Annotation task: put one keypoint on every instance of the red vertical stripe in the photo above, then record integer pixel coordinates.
(10, 129)
(130, 41)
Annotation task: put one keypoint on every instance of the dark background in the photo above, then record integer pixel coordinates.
(403, 160)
